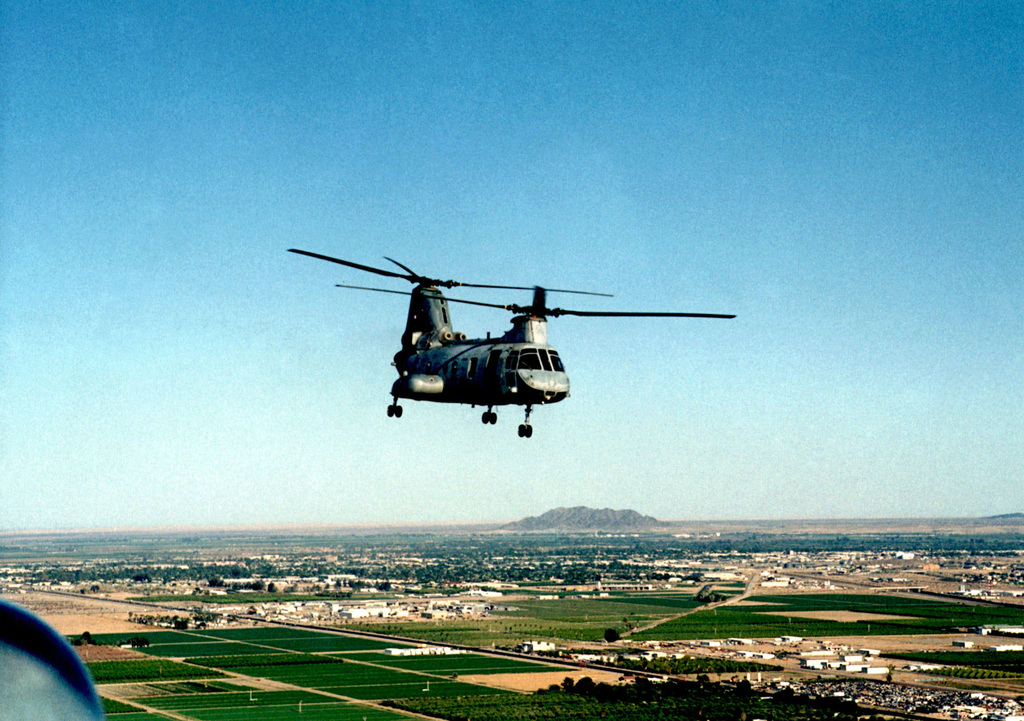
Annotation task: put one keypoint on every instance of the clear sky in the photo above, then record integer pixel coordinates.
(844, 177)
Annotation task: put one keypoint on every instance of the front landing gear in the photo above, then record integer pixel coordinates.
(489, 416)
(525, 429)
(395, 410)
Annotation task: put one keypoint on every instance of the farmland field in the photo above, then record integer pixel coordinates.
(144, 670)
(461, 663)
(568, 618)
(771, 616)
(328, 685)
(329, 642)
(1005, 661)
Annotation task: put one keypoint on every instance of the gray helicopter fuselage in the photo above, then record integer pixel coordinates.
(437, 364)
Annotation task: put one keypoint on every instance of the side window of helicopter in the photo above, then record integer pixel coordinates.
(444, 314)
(556, 362)
(529, 359)
(511, 362)
(473, 363)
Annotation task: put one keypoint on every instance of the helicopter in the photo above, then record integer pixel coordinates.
(440, 365)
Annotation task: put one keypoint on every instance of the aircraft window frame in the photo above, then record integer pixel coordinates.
(530, 353)
(511, 361)
(556, 362)
(474, 364)
(544, 359)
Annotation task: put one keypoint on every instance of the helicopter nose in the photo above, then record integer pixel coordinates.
(546, 386)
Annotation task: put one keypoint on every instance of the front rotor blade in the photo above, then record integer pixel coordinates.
(357, 266)
(376, 290)
(414, 277)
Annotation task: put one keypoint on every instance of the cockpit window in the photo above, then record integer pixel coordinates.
(545, 361)
(529, 359)
(556, 362)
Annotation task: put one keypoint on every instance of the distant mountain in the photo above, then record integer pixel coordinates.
(1013, 517)
(581, 518)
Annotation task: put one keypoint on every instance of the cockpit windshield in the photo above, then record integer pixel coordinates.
(529, 360)
(535, 359)
(556, 362)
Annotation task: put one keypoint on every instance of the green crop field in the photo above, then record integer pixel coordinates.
(258, 633)
(319, 679)
(258, 660)
(154, 637)
(660, 601)
(145, 670)
(113, 706)
(265, 706)
(425, 688)
(329, 642)
(253, 700)
(502, 630)
(469, 663)
(763, 621)
(1005, 661)
(185, 650)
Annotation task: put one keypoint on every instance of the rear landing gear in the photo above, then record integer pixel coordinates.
(489, 416)
(395, 410)
(525, 429)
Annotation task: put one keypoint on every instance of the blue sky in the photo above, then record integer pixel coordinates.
(845, 178)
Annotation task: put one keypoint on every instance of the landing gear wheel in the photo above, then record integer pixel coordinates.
(489, 417)
(525, 429)
(394, 410)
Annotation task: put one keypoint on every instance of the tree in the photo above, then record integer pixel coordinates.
(585, 686)
(611, 635)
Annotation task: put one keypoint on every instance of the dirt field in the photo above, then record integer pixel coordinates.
(107, 653)
(72, 616)
(923, 642)
(534, 681)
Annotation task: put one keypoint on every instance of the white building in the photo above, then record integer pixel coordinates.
(424, 651)
(535, 646)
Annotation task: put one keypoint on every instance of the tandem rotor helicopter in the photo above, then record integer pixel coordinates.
(517, 368)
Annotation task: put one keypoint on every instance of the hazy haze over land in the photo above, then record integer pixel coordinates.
(847, 180)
